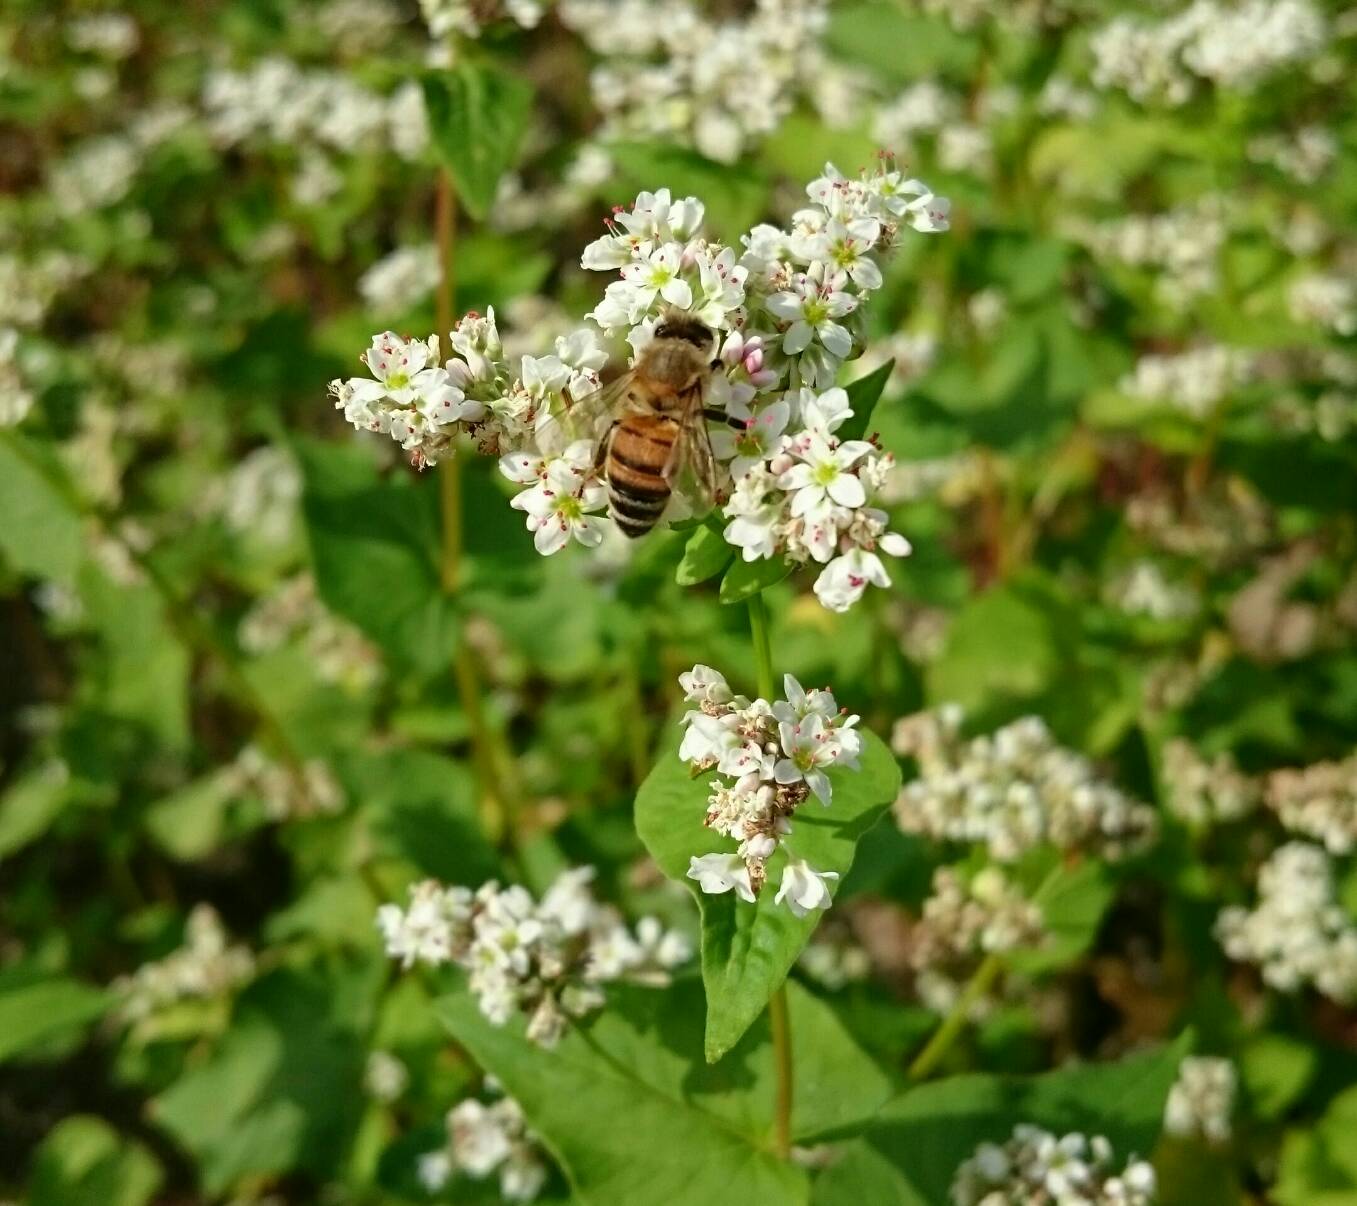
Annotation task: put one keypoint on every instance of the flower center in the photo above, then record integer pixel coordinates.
(398, 380)
(814, 311)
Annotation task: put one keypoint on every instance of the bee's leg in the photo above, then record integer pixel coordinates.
(601, 455)
(720, 416)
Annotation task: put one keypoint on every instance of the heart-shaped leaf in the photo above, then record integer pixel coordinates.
(745, 579)
(477, 117)
(911, 1150)
(633, 1115)
(704, 556)
(747, 949)
(864, 394)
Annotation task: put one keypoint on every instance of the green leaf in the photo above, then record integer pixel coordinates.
(747, 949)
(35, 1011)
(84, 1160)
(704, 556)
(1072, 907)
(704, 1131)
(477, 118)
(864, 393)
(1276, 1070)
(29, 807)
(735, 195)
(40, 529)
(1000, 645)
(282, 1092)
(374, 549)
(746, 578)
(1318, 1165)
(928, 1131)
(187, 823)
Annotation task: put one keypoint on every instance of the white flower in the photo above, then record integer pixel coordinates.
(717, 873)
(657, 276)
(707, 740)
(479, 1139)
(842, 582)
(755, 442)
(559, 505)
(823, 475)
(844, 246)
(434, 1170)
(702, 684)
(800, 703)
(805, 889)
(810, 746)
(721, 281)
(811, 312)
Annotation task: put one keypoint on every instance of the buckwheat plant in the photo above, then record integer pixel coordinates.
(545, 959)
(770, 758)
(1202, 1100)
(787, 311)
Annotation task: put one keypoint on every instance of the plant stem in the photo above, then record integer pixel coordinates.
(981, 981)
(777, 1004)
(763, 650)
(782, 1058)
(952, 1025)
(492, 757)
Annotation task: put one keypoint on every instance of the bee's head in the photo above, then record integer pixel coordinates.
(675, 324)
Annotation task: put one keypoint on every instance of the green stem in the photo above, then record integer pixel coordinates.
(492, 756)
(946, 1034)
(981, 981)
(782, 1057)
(763, 650)
(777, 1004)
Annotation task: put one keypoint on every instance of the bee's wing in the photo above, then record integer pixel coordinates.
(588, 418)
(693, 474)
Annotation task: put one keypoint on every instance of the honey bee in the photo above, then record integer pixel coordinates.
(657, 442)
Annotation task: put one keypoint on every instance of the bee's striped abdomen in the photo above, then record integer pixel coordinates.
(639, 453)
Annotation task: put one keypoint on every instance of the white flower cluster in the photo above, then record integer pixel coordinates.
(770, 757)
(1202, 1099)
(385, 1076)
(1202, 793)
(1143, 589)
(1318, 801)
(546, 959)
(205, 967)
(1305, 154)
(1232, 46)
(260, 495)
(834, 960)
(1181, 246)
(1195, 381)
(965, 918)
(680, 76)
(335, 649)
(277, 102)
(16, 399)
(484, 1140)
(401, 279)
(286, 792)
(1326, 300)
(1298, 933)
(1012, 790)
(29, 286)
(469, 17)
(784, 311)
(1037, 1168)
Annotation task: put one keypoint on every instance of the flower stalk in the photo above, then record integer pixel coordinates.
(777, 1005)
(981, 981)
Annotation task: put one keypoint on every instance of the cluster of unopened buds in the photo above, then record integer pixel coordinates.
(546, 959)
(770, 757)
(1036, 1167)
